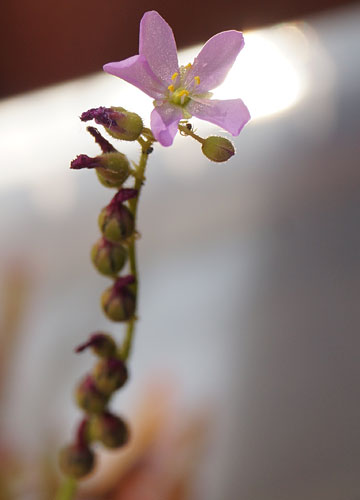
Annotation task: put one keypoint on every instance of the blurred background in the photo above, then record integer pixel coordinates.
(245, 371)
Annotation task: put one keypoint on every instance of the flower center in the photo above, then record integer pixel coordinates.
(180, 97)
(178, 92)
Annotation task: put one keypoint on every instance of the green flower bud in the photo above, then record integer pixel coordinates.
(113, 169)
(218, 149)
(107, 257)
(110, 374)
(76, 460)
(102, 344)
(116, 223)
(88, 396)
(127, 127)
(119, 302)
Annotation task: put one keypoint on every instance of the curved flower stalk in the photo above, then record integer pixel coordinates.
(182, 92)
(179, 93)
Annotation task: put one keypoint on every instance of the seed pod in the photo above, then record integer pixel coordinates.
(107, 257)
(118, 301)
(102, 344)
(218, 149)
(118, 122)
(88, 396)
(110, 374)
(110, 430)
(114, 169)
(76, 460)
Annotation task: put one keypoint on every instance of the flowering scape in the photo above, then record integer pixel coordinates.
(178, 93)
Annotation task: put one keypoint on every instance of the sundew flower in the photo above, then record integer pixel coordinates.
(182, 92)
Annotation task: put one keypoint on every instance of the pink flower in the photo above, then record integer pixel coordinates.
(182, 92)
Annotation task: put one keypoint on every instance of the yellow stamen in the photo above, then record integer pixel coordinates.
(197, 80)
(175, 75)
(171, 88)
(183, 92)
(188, 66)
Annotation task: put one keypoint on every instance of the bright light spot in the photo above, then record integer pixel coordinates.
(267, 75)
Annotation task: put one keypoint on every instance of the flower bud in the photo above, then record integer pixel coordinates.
(110, 430)
(110, 374)
(116, 221)
(88, 396)
(116, 225)
(218, 149)
(102, 345)
(119, 302)
(118, 122)
(107, 257)
(76, 460)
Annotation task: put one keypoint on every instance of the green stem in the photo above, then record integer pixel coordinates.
(67, 490)
(187, 131)
(133, 204)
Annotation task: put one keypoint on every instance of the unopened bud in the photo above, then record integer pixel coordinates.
(88, 396)
(218, 149)
(76, 460)
(118, 301)
(110, 430)
(118, 122)
(116, 221)
(108, 258)
(102, 344)
(110, 374)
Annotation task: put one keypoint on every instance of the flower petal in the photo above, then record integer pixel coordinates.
(231, 114)
(164, 123)
(157, 44)
(215, 60)
(137, 71)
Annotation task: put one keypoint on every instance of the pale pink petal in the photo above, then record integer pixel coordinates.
(164, 123)
(215, 60)
(157, 44)
(230, 114)
(137, 71)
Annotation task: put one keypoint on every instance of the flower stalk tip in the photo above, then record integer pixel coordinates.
(180, 92)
